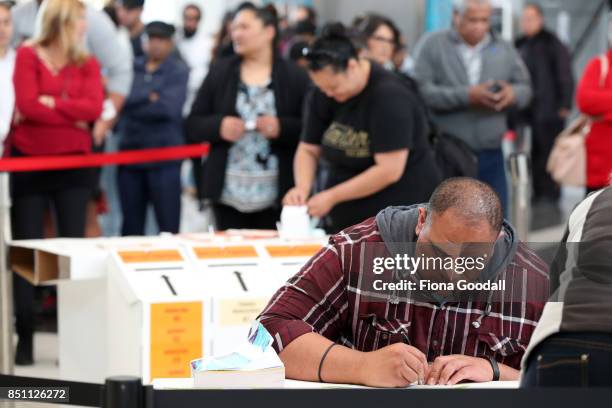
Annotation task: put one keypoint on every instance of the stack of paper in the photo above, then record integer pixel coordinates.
(254, 364)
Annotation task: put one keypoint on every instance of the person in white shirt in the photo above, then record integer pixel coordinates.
(195, 47)
(7, 65)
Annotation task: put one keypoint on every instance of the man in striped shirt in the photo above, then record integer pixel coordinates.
(330, 324)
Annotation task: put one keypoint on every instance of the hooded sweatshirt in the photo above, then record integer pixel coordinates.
(397, 227)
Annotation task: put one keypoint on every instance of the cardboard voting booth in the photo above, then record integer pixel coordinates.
(78, 268)
(156, 309)
(148, 306)
(239, 283)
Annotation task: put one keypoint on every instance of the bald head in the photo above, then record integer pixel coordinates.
(473, 201)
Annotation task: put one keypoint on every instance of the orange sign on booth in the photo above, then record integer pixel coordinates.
(289, 251)
(225, 252)
(176, 338)
(154, 256)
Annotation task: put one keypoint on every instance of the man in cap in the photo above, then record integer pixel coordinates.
(129, 13)
(152, 118)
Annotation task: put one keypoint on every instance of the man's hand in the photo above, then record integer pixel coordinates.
(481, 96)
(47, 101)
(296, 197)
(153, 97)
(321, 204)
(450, 370)
(504, 98)
(397, 365)
(232, 129)
(269, 126)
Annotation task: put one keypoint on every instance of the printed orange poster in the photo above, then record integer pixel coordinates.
(176, 338)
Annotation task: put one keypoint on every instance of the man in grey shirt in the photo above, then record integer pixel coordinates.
(470, 78)
(103, 43)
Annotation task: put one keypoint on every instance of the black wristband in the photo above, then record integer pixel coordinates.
(495, 367)
(323, 359)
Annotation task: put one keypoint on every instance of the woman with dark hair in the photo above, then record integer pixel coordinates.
(364, 126)
(249, 109)
(379, 39)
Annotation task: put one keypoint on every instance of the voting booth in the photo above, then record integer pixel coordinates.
(148, 306)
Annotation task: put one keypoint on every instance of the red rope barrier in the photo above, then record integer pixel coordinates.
(38, 163)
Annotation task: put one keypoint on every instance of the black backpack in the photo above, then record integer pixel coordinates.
(453, 156)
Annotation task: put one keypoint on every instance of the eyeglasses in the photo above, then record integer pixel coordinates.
(383, 39)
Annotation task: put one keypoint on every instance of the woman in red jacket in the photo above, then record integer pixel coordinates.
(58, 94)
(596, 100)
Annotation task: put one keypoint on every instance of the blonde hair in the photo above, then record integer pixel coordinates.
(58, 24)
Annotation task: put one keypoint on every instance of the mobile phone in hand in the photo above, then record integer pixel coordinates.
(496, 87)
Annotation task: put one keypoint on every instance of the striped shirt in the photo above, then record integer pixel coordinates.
(324, 298)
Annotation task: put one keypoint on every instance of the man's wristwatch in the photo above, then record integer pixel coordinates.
(495, 367)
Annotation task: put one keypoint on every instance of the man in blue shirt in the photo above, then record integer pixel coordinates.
(152, 118)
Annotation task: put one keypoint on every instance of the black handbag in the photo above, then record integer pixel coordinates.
(453, 156)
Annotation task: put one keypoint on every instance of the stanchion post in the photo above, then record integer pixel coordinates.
(520, 207)
(123, 392)
(6, 280)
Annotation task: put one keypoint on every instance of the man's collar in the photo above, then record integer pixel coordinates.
(456, 37)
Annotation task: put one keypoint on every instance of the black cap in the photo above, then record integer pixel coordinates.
(159, 29)
(131, 4)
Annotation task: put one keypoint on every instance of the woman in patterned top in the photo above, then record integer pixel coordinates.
(249, 110)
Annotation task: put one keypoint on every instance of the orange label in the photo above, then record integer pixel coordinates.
(166, 255)
(288, 251)
(225, 252)
(176, 338)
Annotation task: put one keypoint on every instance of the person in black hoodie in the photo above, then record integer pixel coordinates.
(249, 109)
(549, 64)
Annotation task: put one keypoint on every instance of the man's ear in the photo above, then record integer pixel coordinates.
(421, 222)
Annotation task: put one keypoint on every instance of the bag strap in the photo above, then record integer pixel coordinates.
(605, 69)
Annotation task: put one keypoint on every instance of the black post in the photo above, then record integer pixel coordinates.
(123, 392)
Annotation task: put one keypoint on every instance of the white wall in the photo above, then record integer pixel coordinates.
(170, 11)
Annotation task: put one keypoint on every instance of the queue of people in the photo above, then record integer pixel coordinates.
(337, 119)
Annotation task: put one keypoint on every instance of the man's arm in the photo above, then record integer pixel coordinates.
(308, 315)
(437, 97)
(565, 77)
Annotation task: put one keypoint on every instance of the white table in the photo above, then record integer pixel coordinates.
(187, 384)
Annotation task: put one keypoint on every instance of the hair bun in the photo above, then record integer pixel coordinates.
(335, 30)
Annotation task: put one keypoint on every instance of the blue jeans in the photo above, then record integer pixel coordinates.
(571, 360)
(159, 186)
(111, 222)
(492, 170)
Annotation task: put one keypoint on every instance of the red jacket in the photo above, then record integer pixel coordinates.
(78, 94)
(596, 101)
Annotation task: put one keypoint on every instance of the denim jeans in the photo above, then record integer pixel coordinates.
(571, 360)
(492, 170)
